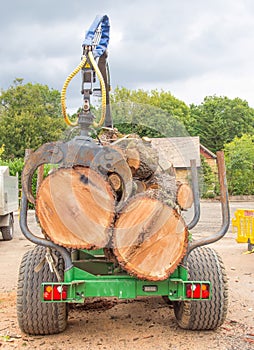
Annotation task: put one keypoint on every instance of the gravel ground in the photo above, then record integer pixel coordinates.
(144, 323)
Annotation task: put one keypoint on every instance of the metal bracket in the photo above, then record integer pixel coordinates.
(38, 240)
(83, 151)
(224, 207)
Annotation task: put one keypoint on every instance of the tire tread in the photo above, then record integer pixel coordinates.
(35, 317)
(205, 264)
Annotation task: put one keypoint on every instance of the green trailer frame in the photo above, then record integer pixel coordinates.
(93, 276)
(90, 274)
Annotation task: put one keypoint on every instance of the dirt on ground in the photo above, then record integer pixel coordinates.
(143, 323)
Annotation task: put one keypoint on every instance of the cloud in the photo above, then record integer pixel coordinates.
(191, 48)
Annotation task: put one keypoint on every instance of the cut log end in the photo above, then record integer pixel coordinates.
(75, 208)
(184, 196)
(115, 181)
(150, 238)
(133, 159)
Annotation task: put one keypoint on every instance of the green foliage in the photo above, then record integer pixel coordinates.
(160, 99)
(153, 114)
(16, 167)
(239, 156)
(219, 119)
(209, 180)
(30, 115)
(1, 150)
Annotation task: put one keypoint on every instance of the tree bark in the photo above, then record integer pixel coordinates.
(150, 238)
(76, 208)
(141, 157)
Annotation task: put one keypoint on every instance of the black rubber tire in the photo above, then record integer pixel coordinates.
(35, 317)
(7, 231)
(206, 265)
(167, 300)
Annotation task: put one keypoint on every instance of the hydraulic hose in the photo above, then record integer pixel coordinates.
(103, 90)
(63, 93)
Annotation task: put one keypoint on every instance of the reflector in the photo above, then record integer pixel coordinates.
(197, 291)
(55, 292)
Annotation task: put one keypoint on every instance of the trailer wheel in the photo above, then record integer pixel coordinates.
(7, 231)
(167, 300)
(35, 317)
(204, 264)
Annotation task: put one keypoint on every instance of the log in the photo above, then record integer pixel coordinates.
(163, 187)
(115, 181)
(140, 186)
(184, 196)
(149, 238)
(133, 159)
(164, 181)
(40, 175)
(140, 156)
(108, 135)
(76, 208)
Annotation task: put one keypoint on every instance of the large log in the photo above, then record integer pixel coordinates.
(149, 238)
(76, 208)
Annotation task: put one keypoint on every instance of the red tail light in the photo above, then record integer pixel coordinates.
(197, 291)
(54, 292)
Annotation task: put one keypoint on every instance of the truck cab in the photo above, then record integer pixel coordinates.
(9, 202)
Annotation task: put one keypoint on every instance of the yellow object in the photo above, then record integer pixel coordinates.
(49, 289)
(243, 225)
(63, 93)
(103, 90)
(249, 252)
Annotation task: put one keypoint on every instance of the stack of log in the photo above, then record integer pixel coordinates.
(77, 208)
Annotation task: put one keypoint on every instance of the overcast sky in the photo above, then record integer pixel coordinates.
(192, 48)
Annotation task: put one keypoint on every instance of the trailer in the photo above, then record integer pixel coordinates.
(9, 202)
(112, 220)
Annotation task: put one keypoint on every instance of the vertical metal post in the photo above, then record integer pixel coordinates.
(195, 189)
(224, 207)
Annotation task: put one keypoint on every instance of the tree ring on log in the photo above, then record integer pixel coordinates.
(76, 208)
(150, 238)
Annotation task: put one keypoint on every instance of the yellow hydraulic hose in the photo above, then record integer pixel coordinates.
(63, 93)
(103, 91)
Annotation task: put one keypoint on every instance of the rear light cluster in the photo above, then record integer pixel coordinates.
(197, 290)
(54, 292)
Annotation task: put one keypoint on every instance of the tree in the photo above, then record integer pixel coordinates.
(1, 150)
(239, 156)
(208, 181)
(219, 119)
(155, 113)
(30, 115)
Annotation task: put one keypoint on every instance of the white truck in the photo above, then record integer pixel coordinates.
(9, 202)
